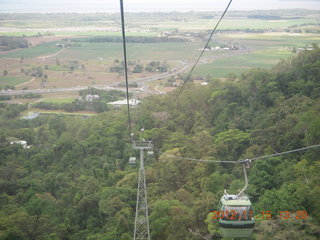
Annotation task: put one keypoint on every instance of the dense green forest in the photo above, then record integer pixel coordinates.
(74, 182)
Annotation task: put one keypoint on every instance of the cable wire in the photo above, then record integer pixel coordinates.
(278, 154)
(203, 50)
(239, 161)
(194, 159)
(125, 65)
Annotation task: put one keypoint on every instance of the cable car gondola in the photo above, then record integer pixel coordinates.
(236, 216)
(236, 213)
(150, 153)
(132, 161)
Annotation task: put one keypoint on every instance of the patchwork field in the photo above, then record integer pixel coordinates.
(60, 62)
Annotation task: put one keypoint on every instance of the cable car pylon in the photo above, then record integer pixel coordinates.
(141, 223)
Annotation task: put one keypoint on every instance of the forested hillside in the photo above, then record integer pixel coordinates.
(74, 182)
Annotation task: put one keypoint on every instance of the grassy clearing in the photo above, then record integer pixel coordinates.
(12, 81)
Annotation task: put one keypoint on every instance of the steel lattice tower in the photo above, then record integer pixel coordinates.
(141, 223)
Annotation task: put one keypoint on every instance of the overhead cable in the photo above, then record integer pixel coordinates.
(278, 154)
(203, 50)
(125, 65)
(194, 159)
(239, 161)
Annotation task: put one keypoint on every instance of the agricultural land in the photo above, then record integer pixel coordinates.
(53, 55)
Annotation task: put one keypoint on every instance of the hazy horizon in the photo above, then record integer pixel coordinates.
(83, 6)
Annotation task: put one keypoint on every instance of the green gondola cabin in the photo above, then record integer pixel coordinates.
(236, 216)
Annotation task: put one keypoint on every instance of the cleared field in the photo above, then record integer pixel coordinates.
(12, 81)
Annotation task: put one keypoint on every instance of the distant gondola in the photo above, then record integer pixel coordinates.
(132, 161)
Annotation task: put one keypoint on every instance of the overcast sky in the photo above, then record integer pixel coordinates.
(149, 5)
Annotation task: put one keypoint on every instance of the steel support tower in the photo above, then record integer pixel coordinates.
(141, 223)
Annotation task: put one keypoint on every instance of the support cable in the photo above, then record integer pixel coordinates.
(278, 154)
(125, 65)
(203, 50)
(245, 179)
(247, 160)
(194, 159)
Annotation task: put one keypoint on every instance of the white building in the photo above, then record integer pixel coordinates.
(90, 97)
(132, 103)
(21, 142)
